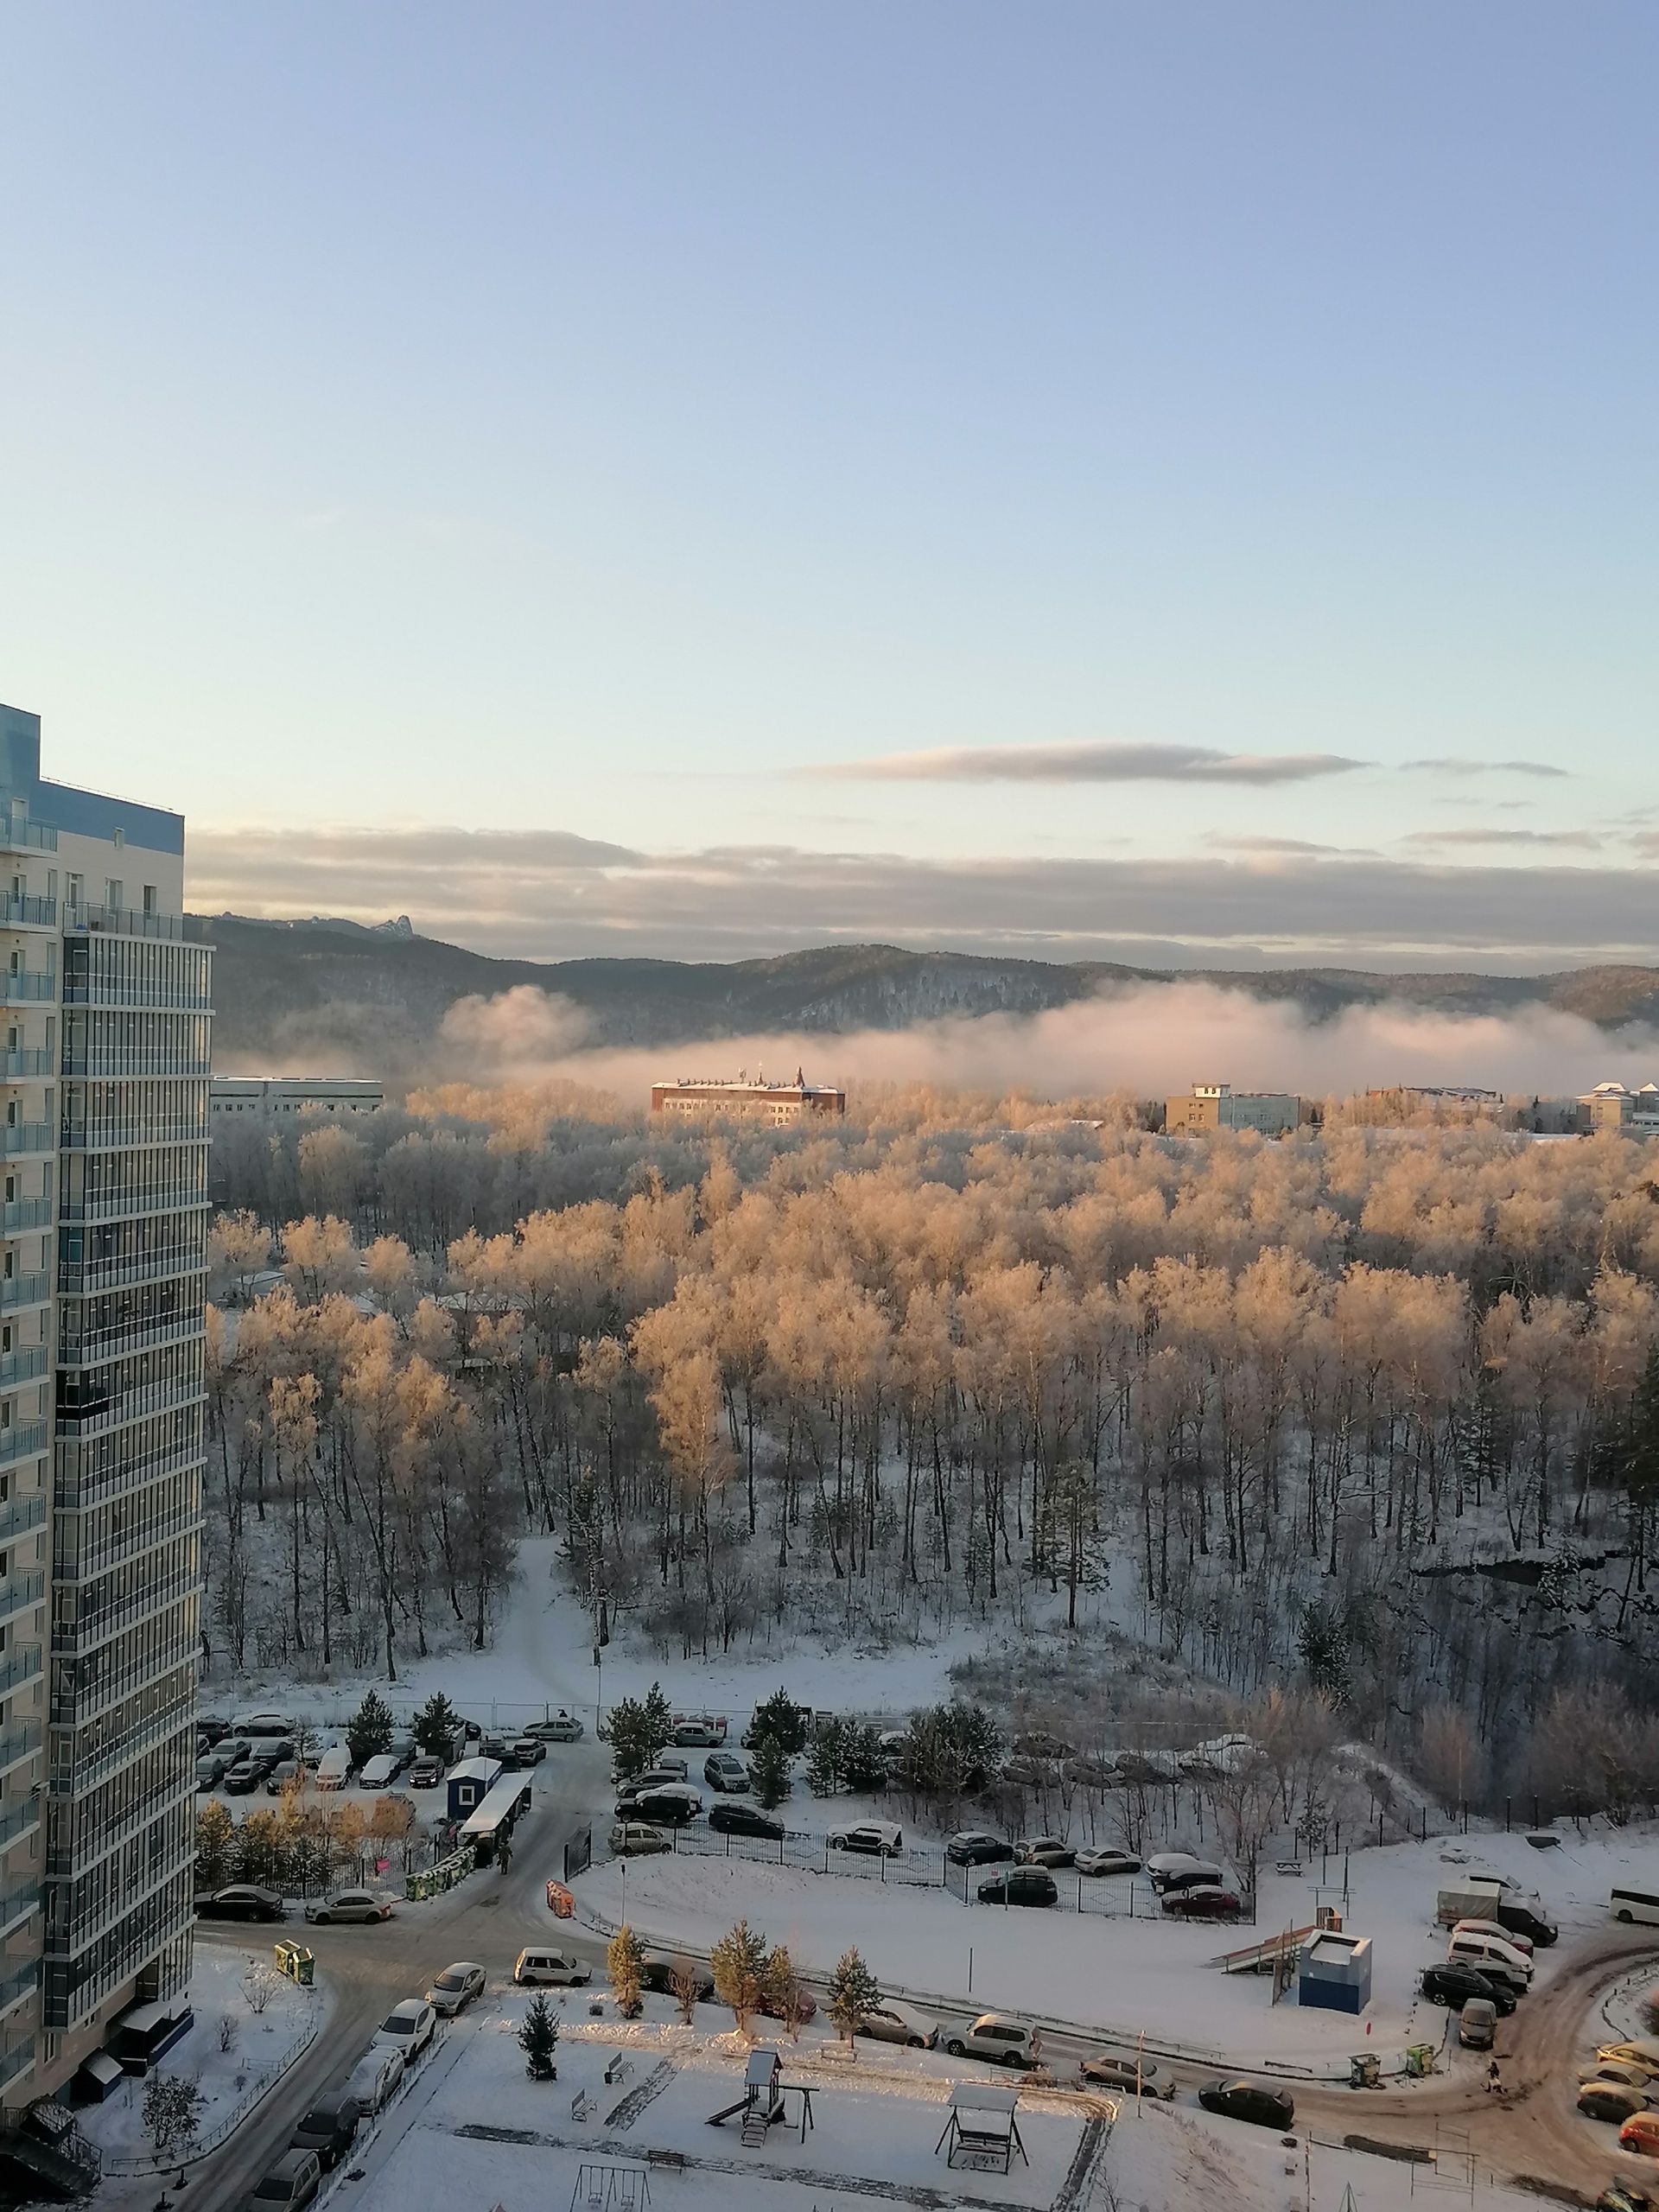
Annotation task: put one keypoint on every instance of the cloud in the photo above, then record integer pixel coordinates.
(1270, 846)
(1153, 1040)
(546, 895)
(1451, 766)
(1582, 840)
(1088, 764)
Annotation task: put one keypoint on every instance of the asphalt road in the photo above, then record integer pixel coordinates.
(1532, 2132)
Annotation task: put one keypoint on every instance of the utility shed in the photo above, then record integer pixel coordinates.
(1336, 1973)
(469, 1785)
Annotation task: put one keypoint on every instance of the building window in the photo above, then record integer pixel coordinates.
(115, 894)
(75, 889)
(149, 899)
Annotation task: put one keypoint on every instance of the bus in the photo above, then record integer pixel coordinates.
(1634, 1905)
(492, 1823)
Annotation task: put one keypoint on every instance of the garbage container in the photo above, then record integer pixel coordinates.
(1365, 2071)
(297, 1963)
(1420, 2060)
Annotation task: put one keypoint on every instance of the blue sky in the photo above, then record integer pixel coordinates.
(586, 423)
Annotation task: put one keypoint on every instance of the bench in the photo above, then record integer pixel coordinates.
(618, 2071)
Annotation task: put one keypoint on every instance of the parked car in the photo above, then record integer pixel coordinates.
(375, 2077)
(290, 2184)
(702, 1732)
(1108, 2072)
(807, 2006)
(1614, 2100)
(409, 2027)
(1618, 2069)
(494, 1745)
(888, 2022)
(881, 1839)
(1522, 1943)
(1526, 1916)
(281, 1775)
(210, 1770)
(1624, 2196)
(1163, 1864)
(1491, 1955)
(663, 1776)
(426, 1774)
(528, 1750)
(349, 1905)
(537, 1966)
(232, 1749)
(1200, 1875)
(1454, 1985)
(1108, 1862)
(660, 1967)
(973, 1847)
(334, 1768)
(1250, 2100)
(262, 1724)
(379, 1772)
(1019, 1885)
(1204, 1903)
(671, 1804)
(1000, 2038)
(328, 2128)
(1477, 2024)
(210, 1725)
(241, 1901)
(559, 1730)
(1641, 2052)
(747, 1820)
(1046, 1851)
(1641, 2134)
(637, 1840)
(455, 1988)
(725, 1771)
(244, 1777)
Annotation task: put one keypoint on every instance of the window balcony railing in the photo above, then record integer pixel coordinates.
(21, 1590)
(87, 1278)
(17, 1986)
(118, 1066)
(129, 1133)
(19, 1743)
(18, 2060)
(31, 1289)
(117, 1551)
(87, 1768)
(20, 1515)
(21, 1664)
(19, 1066)
(27, 838)
(18, 1819)
(26, 912)
(16, 1904)
(23, 1364)
(24, 1213)
(99, 1345)
(18, 1137)
(92, 1629)
(132, 921)
(94, 1416)
(131, 1205)
(21, 987)
(79, 1494)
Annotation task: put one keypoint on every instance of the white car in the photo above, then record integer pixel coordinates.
(375, 2077)
(890, 2022)
(349, 1905)
(534, 1966)
(408, 2027)
(1000, 2038)
(455, 1988)
(1108, 1862)
(1522, 1943)
(881, 1839)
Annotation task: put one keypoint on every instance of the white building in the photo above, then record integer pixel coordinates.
(244, 1098)
(102, 1227)
(1610, 1106)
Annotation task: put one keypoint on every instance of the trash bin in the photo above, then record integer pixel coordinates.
(297, 1963)
(1365, 2071)
(1420, 2060)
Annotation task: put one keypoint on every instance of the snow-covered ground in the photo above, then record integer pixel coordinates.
(1126, 1975)
(472, 2130)
(225, 2079)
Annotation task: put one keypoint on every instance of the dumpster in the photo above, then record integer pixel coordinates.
(1365, 2071)
(1420, 2060)
(297, 1963)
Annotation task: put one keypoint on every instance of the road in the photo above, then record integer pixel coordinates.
(1532, 2131)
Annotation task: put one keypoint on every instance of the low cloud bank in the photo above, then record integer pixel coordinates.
(1153, 1041)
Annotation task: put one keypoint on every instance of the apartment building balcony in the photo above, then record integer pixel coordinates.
(18, 1819)
(24, 1364)
(115, 1551)
(91, 1843)
(127, 1132)
(85, 1769)
(25, 1213)
(16, 1904)
(135, 1336)
(132, 921)
(19, 1590)
(19, 2059)
(81, 1492)
(85, 1634)
(21, 1066)
(134, 1205)
(17, 1138)
(26, 913)
(97, 1415)
(87, 1278)
(17, 1986)
(31, 1289)
(28, 837)
(101, 1919)
(21, 1664)
(89, 1700)
(123, 995)
(20, 1515)
(19, 1743)
(27, 988)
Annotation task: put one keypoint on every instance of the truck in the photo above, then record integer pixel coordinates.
(1476, 1897)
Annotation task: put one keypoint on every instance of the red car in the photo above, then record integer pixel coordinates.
(1641, 2132)
(1205, 1903)
(807, 2006)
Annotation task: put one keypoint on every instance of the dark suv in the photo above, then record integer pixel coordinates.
(1019, 1885)
(329, 2129)
(1454, 1985)
(746, 1819)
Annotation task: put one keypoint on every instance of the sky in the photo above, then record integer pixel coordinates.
(1098, 482)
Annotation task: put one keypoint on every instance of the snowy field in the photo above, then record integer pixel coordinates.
(1126, 1976)
(472, 2131)
(225, 2079)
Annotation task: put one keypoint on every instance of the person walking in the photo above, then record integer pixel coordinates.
(1493, 2084)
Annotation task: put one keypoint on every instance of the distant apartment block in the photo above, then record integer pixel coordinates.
(102, 1230)
(1610, 1106)
(1218, 1106)
(290, 1097)
(778, 1105)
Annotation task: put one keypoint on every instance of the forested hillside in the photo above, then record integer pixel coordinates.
(1372, 1416)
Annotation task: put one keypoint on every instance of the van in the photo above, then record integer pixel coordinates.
(1497, 1960)
(334, 1768)
(1477, 2024)
(378, 1773)
(1634, 1905)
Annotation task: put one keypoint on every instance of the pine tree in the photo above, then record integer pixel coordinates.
(863, 1763)
(823, 1757)
(783, 1720)
(853, 1993)
(538, 2038)
(769, 1772)
(370, 1729)
(786, 2000)
(640, 1727)
(625, 1962)
(738, 1963)
(437, 1727)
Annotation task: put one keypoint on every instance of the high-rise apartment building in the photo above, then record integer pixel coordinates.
(103, 1228)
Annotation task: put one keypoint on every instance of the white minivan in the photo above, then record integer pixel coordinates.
(1498, 1961)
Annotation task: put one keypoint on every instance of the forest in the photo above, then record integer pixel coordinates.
(1368, 1416)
